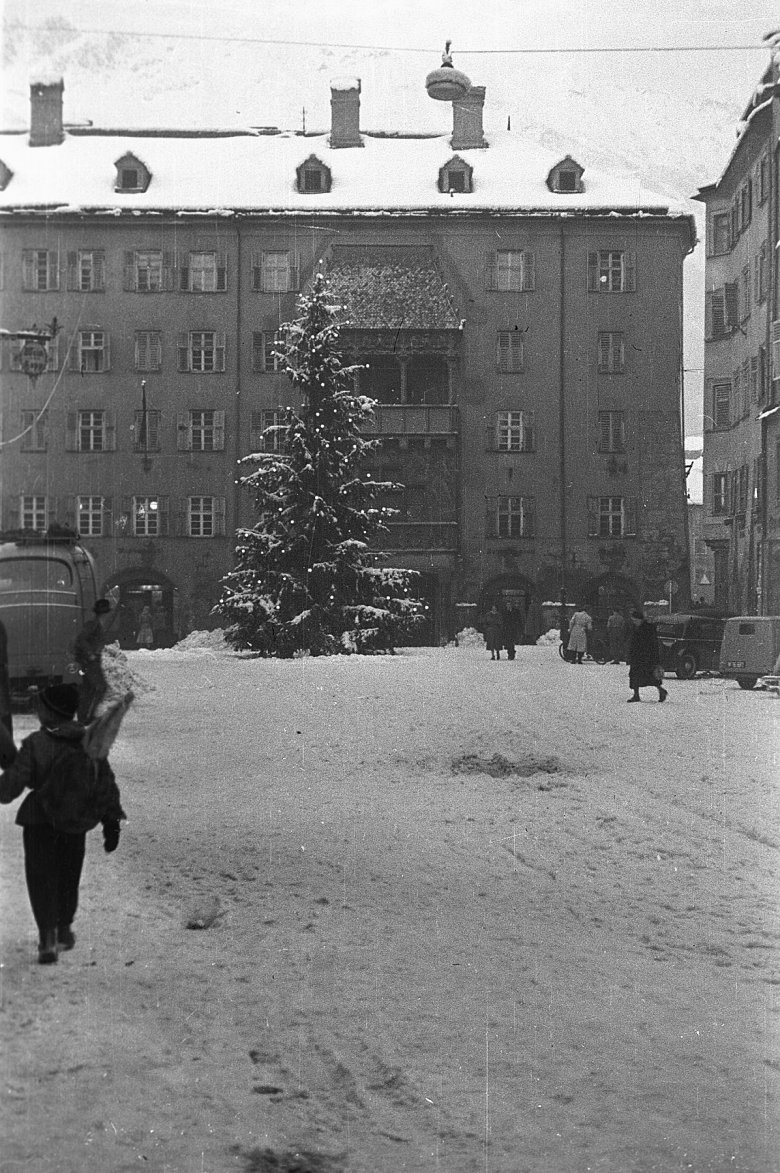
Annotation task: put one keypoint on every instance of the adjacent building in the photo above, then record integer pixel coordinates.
(742, 366)
(516, 317)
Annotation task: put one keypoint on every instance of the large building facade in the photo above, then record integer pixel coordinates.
(741, 372)
(517, 320)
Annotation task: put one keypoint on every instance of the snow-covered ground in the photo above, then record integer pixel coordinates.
(463, 916)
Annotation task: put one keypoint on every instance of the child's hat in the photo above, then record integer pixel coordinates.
(60, 699)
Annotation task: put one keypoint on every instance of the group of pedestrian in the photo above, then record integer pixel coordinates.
(503, 632)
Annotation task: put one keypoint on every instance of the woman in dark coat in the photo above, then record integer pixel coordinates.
(644, 659)
(493, 631)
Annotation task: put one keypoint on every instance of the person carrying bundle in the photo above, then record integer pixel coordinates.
(72, 790)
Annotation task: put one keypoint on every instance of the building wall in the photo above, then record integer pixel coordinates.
(733, 445)
(560, 320)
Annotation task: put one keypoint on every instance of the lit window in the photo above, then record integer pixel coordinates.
(146, 517)
(611, 271)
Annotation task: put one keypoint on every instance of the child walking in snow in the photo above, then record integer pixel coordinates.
(69, 794)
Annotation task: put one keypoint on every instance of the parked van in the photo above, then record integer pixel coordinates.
(47, 592)
(750, 648)
(690, 643)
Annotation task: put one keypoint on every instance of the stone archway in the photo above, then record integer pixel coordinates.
(141, 586)
(606, 592)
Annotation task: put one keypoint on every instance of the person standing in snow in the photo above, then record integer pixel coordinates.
(493, 631)
(145, 634)
(644, 670)
(513, 629)
(53, 858)
(87, 649)
(616, 635)
(581, 624)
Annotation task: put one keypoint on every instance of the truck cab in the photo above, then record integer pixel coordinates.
(47, 592)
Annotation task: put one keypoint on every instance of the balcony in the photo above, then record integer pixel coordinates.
(441, 536)
(413, 420)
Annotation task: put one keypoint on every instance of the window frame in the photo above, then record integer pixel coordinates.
(514, 431)
(37, 512)
(188, 348)
(33, 267)
(94, 514)
(215, 515)
(142, 507)
(97, 345)
(35, 425)
(514, 508)
(205, 271)
(612, 271)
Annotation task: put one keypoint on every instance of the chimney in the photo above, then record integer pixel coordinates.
(345, 113)
(467, 120)
(46, 113)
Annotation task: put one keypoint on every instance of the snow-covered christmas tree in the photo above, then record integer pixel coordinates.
(307, 577)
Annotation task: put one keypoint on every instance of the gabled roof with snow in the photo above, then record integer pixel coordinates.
(380, 287)
(256, 171)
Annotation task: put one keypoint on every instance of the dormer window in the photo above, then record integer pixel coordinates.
(566, 177)
(6, 174)
(313, 177)
(131, 174)
(456, 176)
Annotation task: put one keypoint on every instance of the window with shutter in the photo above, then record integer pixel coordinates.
(611, 352)
(148, 350)
(509, 351)
(775, 350)
(612, 431)
(721, 405)
(40, 269)
(35, 432)
(276, 272)
(147, 271)
(731, 292)
(146, 432)
(720, 233)
(512, 270)
(91, 435)
(717, 313)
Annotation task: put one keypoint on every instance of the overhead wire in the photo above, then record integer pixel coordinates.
(464, 52)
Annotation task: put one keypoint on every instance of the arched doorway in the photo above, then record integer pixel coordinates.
(132, 590)
(609, 592)
(518, 591)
